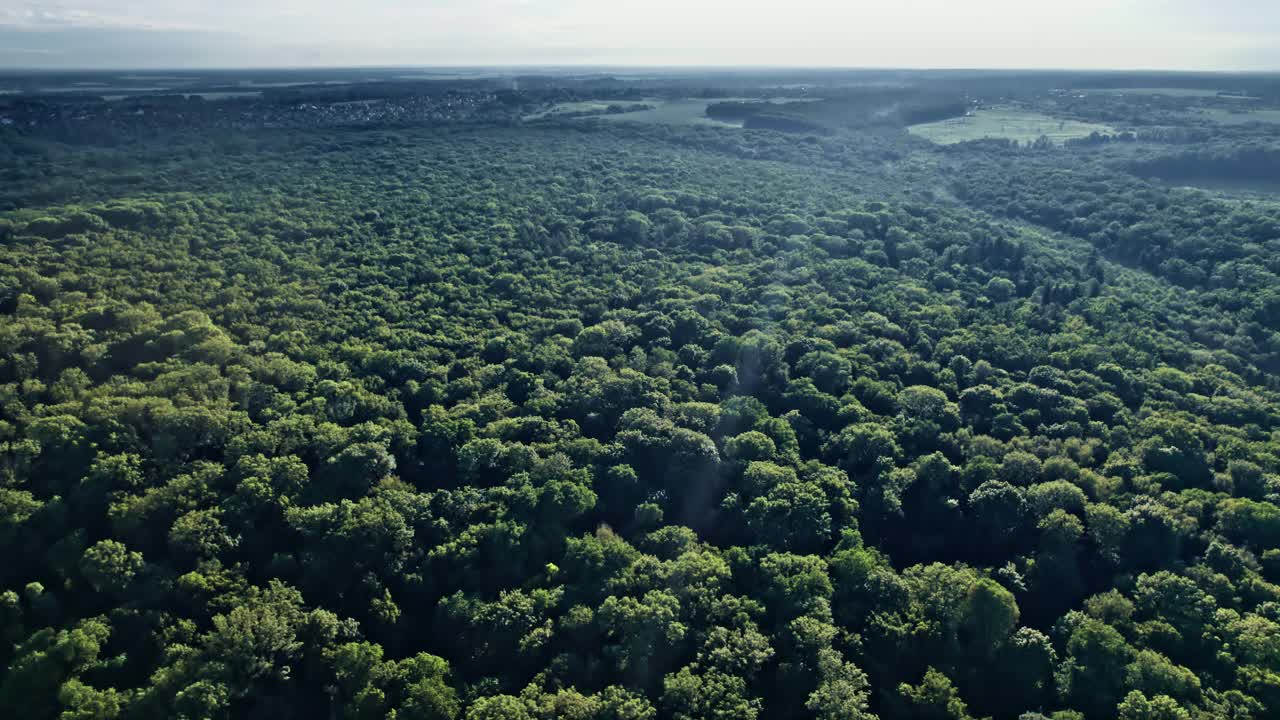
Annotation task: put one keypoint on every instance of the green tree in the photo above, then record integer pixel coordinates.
(691, 694)
(935, 698)
(110, 567)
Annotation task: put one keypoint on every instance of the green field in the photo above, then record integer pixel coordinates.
(586, 106)
(692, 111)
(682, 111)
(685, 111)
(1005, 123)
(659, 111)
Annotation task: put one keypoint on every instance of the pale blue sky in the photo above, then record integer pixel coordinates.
(1166, 34)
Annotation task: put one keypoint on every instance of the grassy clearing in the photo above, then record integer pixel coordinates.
(692, 111)
(684, 111)
(687, 111)
(1005, 123)
(586, 106)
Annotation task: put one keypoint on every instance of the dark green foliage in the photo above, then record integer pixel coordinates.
(595, 420)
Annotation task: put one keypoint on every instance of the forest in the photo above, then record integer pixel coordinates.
(480, 399)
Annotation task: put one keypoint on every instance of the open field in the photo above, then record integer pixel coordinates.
(686, 111)
(692, 111)
(1005, 123)
(683, 111)
(586, 106)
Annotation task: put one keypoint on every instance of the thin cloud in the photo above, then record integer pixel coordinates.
(1175, 34)
(52, 16)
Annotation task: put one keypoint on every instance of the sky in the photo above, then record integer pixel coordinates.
(1064, 34)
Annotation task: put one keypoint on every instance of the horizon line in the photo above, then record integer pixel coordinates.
(498, 67)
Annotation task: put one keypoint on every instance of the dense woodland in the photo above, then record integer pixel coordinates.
(479, 419)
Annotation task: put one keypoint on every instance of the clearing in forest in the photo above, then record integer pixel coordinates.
(685, 111)
(1007, 123)
(656, 111)
(588, 106)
